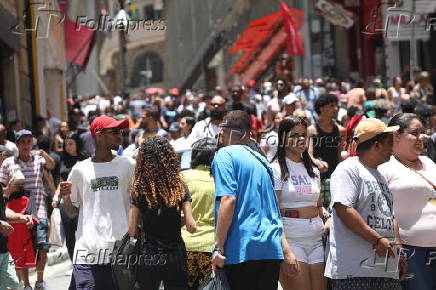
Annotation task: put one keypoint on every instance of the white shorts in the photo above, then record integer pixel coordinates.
(305, 238)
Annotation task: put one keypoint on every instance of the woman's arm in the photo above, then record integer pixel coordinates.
(191, 225)
(133, 221)
(320, 207)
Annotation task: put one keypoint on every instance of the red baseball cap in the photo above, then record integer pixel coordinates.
(174, 91)
(106, 122)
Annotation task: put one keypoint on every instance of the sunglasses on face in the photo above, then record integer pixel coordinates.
(416, 134)
(113, 131)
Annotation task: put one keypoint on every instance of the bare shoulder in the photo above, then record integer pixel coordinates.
(342, 130)
(311, 131)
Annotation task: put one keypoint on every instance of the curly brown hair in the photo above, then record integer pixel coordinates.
(157, 180)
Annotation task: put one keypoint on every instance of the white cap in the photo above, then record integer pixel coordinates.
(267, 85)
(290, 99)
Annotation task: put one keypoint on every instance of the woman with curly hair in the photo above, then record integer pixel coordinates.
(158, 197)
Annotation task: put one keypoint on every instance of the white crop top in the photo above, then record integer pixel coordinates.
(300, 190)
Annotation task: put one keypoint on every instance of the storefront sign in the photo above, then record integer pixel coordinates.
(335, 13)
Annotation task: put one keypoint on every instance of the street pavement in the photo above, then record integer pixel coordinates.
(58, 276)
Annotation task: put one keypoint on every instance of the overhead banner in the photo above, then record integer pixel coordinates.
(407, 19)
(335, 13)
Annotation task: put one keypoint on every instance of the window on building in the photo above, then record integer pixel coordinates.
(148, 69)
(149, 12)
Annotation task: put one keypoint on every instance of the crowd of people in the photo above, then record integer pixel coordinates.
(313, 184)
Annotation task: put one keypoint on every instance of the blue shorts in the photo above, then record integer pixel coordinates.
(42, 235)
(92, 277)
(422, 264)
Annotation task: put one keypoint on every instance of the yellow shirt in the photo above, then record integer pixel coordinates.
(202, 189)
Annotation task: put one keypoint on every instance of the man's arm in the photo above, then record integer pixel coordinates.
(341, 141)
(354, 222)
(14, 217)
(72, 211)
(49, 162)
(312, 133)
(65, 192)
(225, 217)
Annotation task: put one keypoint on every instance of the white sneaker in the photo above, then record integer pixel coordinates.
(41, 286)
(22, 287)
(69, 272)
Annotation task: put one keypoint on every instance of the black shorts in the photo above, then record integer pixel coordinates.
(173, 272)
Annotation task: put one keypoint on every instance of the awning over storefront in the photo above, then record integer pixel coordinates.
(260, 42)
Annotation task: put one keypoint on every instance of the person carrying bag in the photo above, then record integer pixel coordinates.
(158, 197)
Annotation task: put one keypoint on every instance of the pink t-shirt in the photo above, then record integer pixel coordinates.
(415, 215)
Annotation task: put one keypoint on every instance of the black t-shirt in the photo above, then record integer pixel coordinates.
(164, 228)
(3, 239)
(239, 107)
(326, 147)
(67, 162)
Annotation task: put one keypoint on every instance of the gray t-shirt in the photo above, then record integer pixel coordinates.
(365, 189)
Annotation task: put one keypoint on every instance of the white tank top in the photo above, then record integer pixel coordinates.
(300, 190)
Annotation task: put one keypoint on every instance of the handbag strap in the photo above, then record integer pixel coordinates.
(268, 169)
(419, 173)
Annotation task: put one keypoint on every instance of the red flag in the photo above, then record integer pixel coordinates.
(295, 45)
(79, 41)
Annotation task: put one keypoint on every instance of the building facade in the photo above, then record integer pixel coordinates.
(32, 79)
(15, 97)
(145, 49)
(341, 38)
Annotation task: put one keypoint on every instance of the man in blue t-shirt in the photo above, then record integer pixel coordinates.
(249, 239)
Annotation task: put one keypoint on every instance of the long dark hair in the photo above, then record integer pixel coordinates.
(77, 140)
(68, 159)
(284, 128)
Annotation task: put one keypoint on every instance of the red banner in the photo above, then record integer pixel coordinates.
(79, 41)
(295, 45)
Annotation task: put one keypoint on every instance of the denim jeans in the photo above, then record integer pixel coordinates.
(422, 264)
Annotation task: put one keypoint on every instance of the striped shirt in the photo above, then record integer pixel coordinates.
(33, 174)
